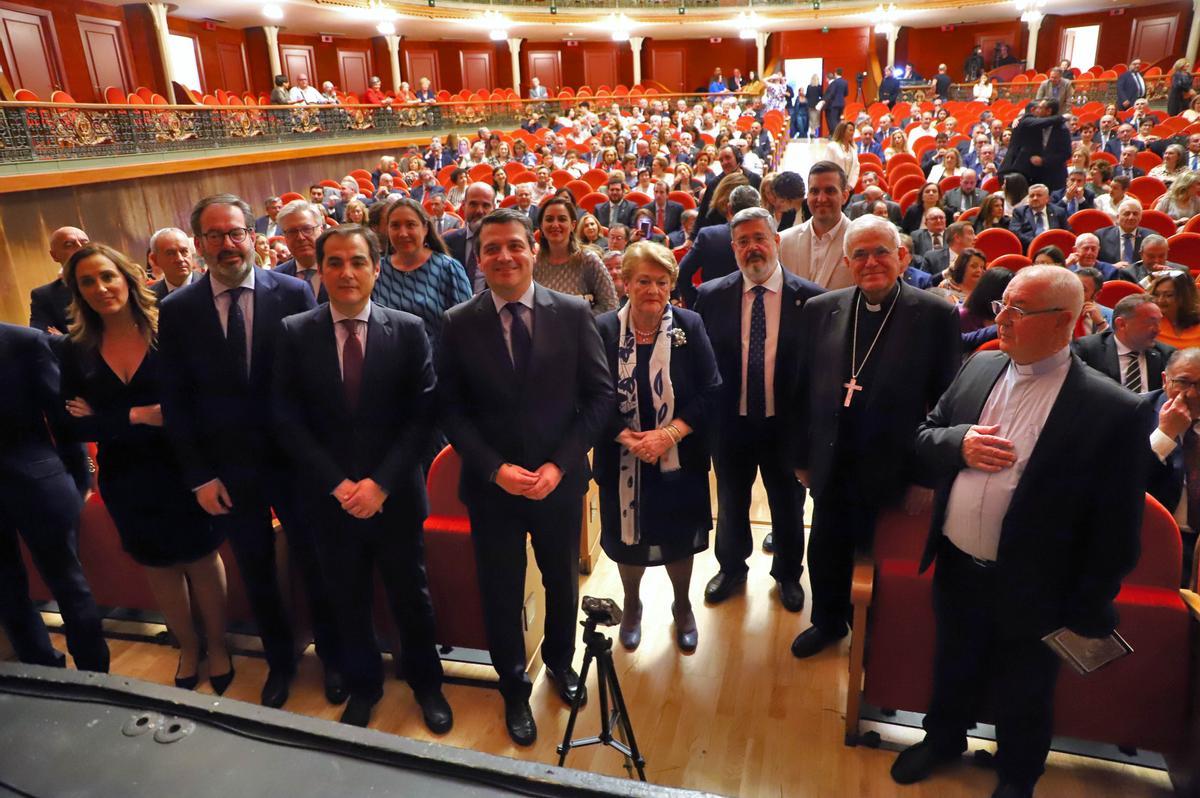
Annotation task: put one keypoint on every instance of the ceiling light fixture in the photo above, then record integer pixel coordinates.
(885, 19)
(272, 11)
(748, 23)
(619, 26)
(1030, 11)
(386, 28)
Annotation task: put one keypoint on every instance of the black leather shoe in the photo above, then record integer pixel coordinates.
(791, 596)
(220, 681)
(769, 543)
(568, 684)
(358, 710)
(1011, 789)
(335, 687)
(722, 586)
(812, 641)
(631, 629)
(686, 634)
(189, 682)
(275, 691)
(916, 762)
(436, 711)
(518, 717)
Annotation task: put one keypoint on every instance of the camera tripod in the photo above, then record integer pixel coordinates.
(599, 648)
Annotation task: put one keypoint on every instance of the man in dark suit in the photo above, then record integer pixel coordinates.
(218, 338)
(870, 196)
(1037, 216)
(426, 187)
(1124, 138)
(357, 443)
(40, 501)
(889, 87)
(1020, 552)
(268, 223)
(874, 359)
(679, 237)
(966, 196)
(1129, 353)
(668, 213)
(1176, 448)
(1040, 145)
(1127, 165)
(731, 161)
(1121, 243)
(835, 98)
(1086, 255)
(959, 236)
(1076, 196)
(617, 210)
(301, 224)
(48, 303)
(524, 390)
(757, 386)
(933, 236)
(478, 200)
(866, 144)
(171, 255)
(1131, 86)
(712, 251)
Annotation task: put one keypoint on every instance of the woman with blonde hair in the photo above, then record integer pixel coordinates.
(1180, 92)
(110, 384)
(840, 150)
(1174, 165)
(1182, 202)
(897, 143)
(720, 199)
(951, 166)
(356, 213)
(589, 233)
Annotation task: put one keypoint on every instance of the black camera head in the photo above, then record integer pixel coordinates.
(602, 611)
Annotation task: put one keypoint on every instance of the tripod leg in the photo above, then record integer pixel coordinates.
(623, 713)
(566, 743)
(603, 674)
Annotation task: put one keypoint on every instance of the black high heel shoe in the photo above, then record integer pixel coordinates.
(190, 682)
(220, 681)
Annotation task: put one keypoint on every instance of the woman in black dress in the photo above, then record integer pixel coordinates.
(1180, 93)
(652, 460)
(111, 388)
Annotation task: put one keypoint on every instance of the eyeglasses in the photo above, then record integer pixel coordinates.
(745, 241)
(879, 253)
(237, 235)
(308, 231)
(1021, 313)
(1184, 385)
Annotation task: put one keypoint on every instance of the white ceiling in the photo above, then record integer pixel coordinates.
(456, 21)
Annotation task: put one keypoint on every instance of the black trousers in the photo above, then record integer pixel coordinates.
(833, 115)
(251, 535)
(499, 523)
(44, 511)
(842, 525)
(352, 550)
(974, 655)
(749, 447)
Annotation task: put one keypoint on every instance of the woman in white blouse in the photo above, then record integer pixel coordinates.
(950, 166)
(841, 151)
(983, 90)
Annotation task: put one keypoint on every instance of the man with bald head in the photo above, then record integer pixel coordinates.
(171, 254)
(478, 201)
(1036, 521)
(48, 303)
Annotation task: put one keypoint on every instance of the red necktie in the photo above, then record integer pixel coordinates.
(662, 218)
(352, 362)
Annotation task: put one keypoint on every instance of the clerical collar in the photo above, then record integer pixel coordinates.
(887, 300)
(1046, 365)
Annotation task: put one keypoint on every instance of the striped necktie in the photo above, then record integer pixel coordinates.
(1133, 373)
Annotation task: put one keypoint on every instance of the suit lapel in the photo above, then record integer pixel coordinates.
(379, 350)
(1111, 358)
(324, 354)
(211, 317)
(835, 346)
(265, 314)
(545, 327)
(492, 341)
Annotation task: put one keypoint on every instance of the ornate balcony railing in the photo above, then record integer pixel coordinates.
(44, 132)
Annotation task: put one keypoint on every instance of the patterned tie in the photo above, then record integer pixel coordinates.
(756, 385)
(310, 276)
(352, 361)
(1195, 162)
(1191, 462)
(937, 240)
(522, 343)
(1133, 373)
(235, 332)
(1127, 248)
(1039, 221)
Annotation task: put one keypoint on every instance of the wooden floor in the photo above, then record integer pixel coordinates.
(741, 716)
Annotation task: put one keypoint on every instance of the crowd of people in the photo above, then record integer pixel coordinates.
(310, 363)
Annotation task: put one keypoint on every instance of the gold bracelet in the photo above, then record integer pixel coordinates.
(674, 432)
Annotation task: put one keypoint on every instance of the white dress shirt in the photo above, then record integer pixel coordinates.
(309, 95)
(342, 334)
(818, 258)
(1019, 404)
(190, 279)
(772, 304)
(221, 298)
(526, 300)
(1163, 447)
(1123, 361)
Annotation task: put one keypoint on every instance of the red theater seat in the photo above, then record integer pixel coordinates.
(996, 241)
(1114, 291)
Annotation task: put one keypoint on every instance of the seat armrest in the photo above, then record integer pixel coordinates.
(862, 583)
(1192, 600)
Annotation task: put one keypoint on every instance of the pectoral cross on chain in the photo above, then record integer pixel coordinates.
(850, 387)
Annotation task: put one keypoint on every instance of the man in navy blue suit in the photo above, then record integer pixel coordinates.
(1037, 216)
(40, 501)
(48, 303)
(218, 338)
(357, 443)
(524, 390)
(301, 223)
(1131, 86)
(1124, 138)
(712, 252)
(1075, 196)
(668, 214)
(835, 98)
(756, 404)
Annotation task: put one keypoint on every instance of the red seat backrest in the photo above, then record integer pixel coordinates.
(442, 485)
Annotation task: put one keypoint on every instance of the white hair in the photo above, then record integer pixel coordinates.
(300, 206)
(1061, 287)
(1080, 238)
(163, 232)
(869, 223)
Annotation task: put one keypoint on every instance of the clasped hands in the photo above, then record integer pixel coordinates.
(361, 499)
(148, 415)
(535, 485)
(646, 446)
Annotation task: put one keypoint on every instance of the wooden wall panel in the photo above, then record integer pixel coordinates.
(30, 51)
(354, 69)
(125, 213)
(107, 55)
(232, 58)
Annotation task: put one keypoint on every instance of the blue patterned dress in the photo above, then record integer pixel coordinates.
(426, 292)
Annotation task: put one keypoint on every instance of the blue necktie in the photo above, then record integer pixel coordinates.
(1127, 248)
(756, 389)
(1038, 224)
(522, 343)
(235, 333)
